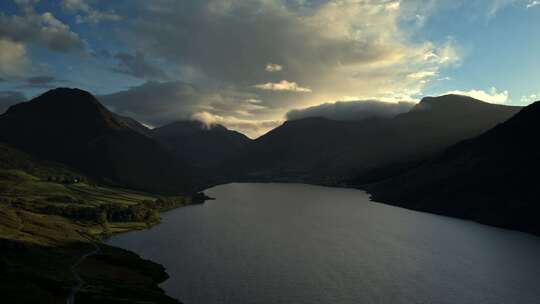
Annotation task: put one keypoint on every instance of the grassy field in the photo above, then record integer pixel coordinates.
(48, 223)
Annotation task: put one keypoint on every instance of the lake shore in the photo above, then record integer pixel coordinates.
(44, 234)
(248, 238)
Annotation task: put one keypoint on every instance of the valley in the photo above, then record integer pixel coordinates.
(66, 192)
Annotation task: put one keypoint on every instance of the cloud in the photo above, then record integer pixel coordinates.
(40, 80)
(9, 98)
(272, 67)
(87, 14)
(530, 99)
(159, 103)
(250, 128)
(137, 66)
(532, 4)
(43, 30)
(283, 85)
(492, 96)
(352, 110)
(334, 48)
(13, 59)
(44, 81)
(422, 74)
(155, 103)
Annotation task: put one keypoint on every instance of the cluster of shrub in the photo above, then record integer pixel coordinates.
(105, 213)
(146, 211)
(67, 179)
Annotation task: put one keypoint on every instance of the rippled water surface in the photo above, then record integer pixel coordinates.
(293, 243)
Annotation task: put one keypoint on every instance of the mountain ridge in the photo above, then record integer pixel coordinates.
(70, 126)
(202, 145)
(489, 178)
(320, 150)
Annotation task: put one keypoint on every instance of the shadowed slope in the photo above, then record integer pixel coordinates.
(198, 144)
(70, 126)
(490, 179)
(327, 151)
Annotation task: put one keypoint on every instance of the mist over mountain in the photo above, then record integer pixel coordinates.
(352, 110)
(490, 178)
(322, 150)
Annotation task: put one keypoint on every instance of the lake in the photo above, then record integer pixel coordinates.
(294, 243)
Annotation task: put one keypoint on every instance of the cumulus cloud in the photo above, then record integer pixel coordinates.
(492, 96)
(250, 128)
(256, 60)
(273, 67)
(334, 48)
(85, 13)
(138, 66)
(9, 98)
(530, 98)
(43, 30)
(352, 110)
(13, 59)
(283, 85)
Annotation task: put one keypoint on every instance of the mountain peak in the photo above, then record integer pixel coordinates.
(57, 97)
(74, 107)
(447, 101)
(187, 127)
(454, 102)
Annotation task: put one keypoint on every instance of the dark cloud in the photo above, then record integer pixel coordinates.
(102, 54)
(9, 98)
(323, 46)
(137, 66)
(43, 81)
(325, 50)
(155, 103)
(159, 103)
(40, 80)
(352, 110)
(44, 29)
(86, 13)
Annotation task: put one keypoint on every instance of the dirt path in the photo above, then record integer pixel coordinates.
(80, 281)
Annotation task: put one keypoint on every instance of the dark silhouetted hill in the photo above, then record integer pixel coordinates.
(327, 151)
(70, 126)
(198, 144)
(490, 179)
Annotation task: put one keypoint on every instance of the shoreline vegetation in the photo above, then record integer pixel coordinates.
(48, 224)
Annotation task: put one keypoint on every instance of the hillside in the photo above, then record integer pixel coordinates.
(70, 126)
(51, 215)
(195, 143)
(328, 151)
(490, 179)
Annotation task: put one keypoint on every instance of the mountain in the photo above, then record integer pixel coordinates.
(195, 143)
(70, 126)
(490, 179)
(133, 124)
(328, 151)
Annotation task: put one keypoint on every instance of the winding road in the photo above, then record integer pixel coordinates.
(80, 281)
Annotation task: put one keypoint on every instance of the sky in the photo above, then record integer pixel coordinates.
(251, 64)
